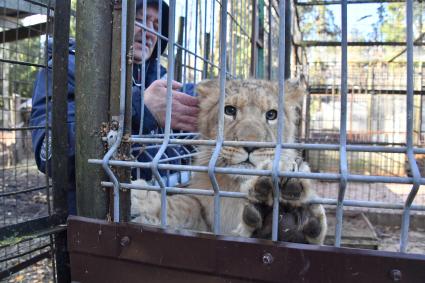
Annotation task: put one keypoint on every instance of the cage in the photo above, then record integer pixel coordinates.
(30, 231)
(359, 129)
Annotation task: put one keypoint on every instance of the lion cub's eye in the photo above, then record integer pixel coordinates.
(230, 110)
(271, 114)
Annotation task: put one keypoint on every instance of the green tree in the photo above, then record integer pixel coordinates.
(393, 27)
(318, 23)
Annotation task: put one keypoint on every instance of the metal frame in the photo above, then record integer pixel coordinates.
(104, 251)
(343, 177)
(48, 231)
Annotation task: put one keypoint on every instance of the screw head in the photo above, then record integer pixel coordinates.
(395, 275)
(267, 259)
(125, 241)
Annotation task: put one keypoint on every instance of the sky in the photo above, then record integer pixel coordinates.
(360, 16)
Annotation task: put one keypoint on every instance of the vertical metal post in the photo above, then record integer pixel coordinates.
(220, 124)
(207, 43)
(409, 135)
(422, 98)
(167, 130)
(280, 120)
(60, 177)
(288, 39)
(254, 34)
(92, 76)
(121, 118)
(158, 55)
(60, 145)
(125, 175)
(260, 60)
(185, 45)
(343, 126)
(178, 70)
(122, 173)
(212, 39)
(269, 42)
(196, 40)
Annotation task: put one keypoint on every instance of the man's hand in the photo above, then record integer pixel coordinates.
(185, 108)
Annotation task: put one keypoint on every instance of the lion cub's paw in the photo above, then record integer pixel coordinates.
(252, 219)
(302, 224)
(292, 190)
(299, 221)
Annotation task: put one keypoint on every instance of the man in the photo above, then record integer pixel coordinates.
(185, 107)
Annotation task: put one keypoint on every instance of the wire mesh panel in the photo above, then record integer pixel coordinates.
(360, 128)
(377, 87)
(28, 224)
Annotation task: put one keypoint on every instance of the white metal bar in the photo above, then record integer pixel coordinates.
(311, 146)
(343, 164)
(114, 148)
(228, 194)
(220, 125)
(253, 172)
(167, 130)
(280, 121)
(143, 74)
(409, 135)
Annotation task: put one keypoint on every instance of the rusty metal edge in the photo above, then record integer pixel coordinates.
(231, 257)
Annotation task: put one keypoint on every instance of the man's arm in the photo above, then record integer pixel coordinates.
(39, 113)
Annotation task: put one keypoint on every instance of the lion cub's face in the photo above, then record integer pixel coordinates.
(250, 114)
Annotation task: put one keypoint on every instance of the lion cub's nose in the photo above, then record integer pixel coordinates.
(249, 149)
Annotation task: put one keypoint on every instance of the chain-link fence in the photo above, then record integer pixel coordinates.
(28, 225)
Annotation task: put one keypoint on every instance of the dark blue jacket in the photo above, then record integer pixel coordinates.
(38, 116)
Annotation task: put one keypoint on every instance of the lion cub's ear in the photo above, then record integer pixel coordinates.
(208, 89)
(295, 90)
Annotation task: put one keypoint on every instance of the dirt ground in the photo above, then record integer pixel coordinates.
(40, 272)
(23, 206)
(389, 238)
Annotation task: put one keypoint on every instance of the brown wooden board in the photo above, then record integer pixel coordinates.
(121, 252)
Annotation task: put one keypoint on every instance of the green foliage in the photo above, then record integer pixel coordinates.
(393, 27)
(72, 26)
(20, 77)
(318, 23)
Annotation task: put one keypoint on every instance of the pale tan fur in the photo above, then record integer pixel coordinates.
(252, 99)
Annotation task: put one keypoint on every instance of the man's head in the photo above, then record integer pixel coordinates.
(153, 19)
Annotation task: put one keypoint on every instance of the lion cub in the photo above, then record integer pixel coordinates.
(250, 114)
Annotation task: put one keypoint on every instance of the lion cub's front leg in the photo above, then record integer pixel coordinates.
(298, 221)
(183, 211)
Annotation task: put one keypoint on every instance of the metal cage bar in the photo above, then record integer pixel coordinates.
(114, 147)
(281, 121)
(409, 135)
(164, 145)
(220, 124)
(343, 127)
